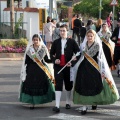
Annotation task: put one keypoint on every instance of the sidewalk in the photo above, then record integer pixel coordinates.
(11, 56)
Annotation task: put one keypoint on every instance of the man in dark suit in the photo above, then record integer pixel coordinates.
(116, 39)
(82, 32)
(62, 51)
(76, 29)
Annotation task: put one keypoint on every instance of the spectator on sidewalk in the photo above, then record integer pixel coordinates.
(108, 21)
(111, 21)
(56, 32)
(82, 32)
(98, 24)
(48, 31)
(90, 25)
(72, 24)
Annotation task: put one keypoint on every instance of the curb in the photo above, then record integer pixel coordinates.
(11, 59)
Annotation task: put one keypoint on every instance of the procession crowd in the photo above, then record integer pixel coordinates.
(82, 62)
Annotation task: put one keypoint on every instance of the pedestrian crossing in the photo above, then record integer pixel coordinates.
(111, 112)
(9, 81)
(63, 116)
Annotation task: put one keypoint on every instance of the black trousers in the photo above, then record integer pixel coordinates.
(64, 76)
(116, 55)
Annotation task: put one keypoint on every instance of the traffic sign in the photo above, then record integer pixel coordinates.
(114, 3)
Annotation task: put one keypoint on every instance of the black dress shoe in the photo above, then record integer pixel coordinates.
(32, 107)
(56, 109)
(67, 106)
(94, 107)
(83, 112)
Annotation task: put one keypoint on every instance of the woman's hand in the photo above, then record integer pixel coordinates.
(103, 75)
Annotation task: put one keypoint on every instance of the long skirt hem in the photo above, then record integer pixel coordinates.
(48, 97)
(107, 96)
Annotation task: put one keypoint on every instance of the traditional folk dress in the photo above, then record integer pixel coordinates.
(108, 48)
(36, 80)
(90, 87)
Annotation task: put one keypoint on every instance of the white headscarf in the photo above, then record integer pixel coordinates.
(23, 69)
(107, 29)
(109, 35)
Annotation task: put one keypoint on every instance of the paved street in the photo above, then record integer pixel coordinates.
(12, 109)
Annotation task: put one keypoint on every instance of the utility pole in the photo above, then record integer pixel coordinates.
(50, 8)
(100, 8)
(12, 17)
(113, 16)
(0, 12)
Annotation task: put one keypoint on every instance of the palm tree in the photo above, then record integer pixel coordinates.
(12, 17)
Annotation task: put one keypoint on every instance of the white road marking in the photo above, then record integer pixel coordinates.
(63, 116)
(116, 103)
(104, 111)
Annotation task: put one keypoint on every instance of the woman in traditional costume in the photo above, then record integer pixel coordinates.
(36, 86)
(108, 45)
(94, 84)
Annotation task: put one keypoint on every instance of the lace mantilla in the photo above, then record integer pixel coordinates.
(106, 35)
(40, 53)
(92, 50)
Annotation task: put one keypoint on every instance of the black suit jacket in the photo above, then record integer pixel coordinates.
(71, 47)
(115, 34)
(77, 25)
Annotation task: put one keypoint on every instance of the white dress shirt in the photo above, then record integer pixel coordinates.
(119, 34)
(63, 43)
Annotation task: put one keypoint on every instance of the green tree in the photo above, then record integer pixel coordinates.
(91, 8)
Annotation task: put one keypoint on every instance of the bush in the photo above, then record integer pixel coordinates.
(10, 46)
(22, 42)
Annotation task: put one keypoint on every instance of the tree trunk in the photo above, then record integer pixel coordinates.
(12, 17)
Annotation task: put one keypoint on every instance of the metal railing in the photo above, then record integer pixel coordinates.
(6, 32)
